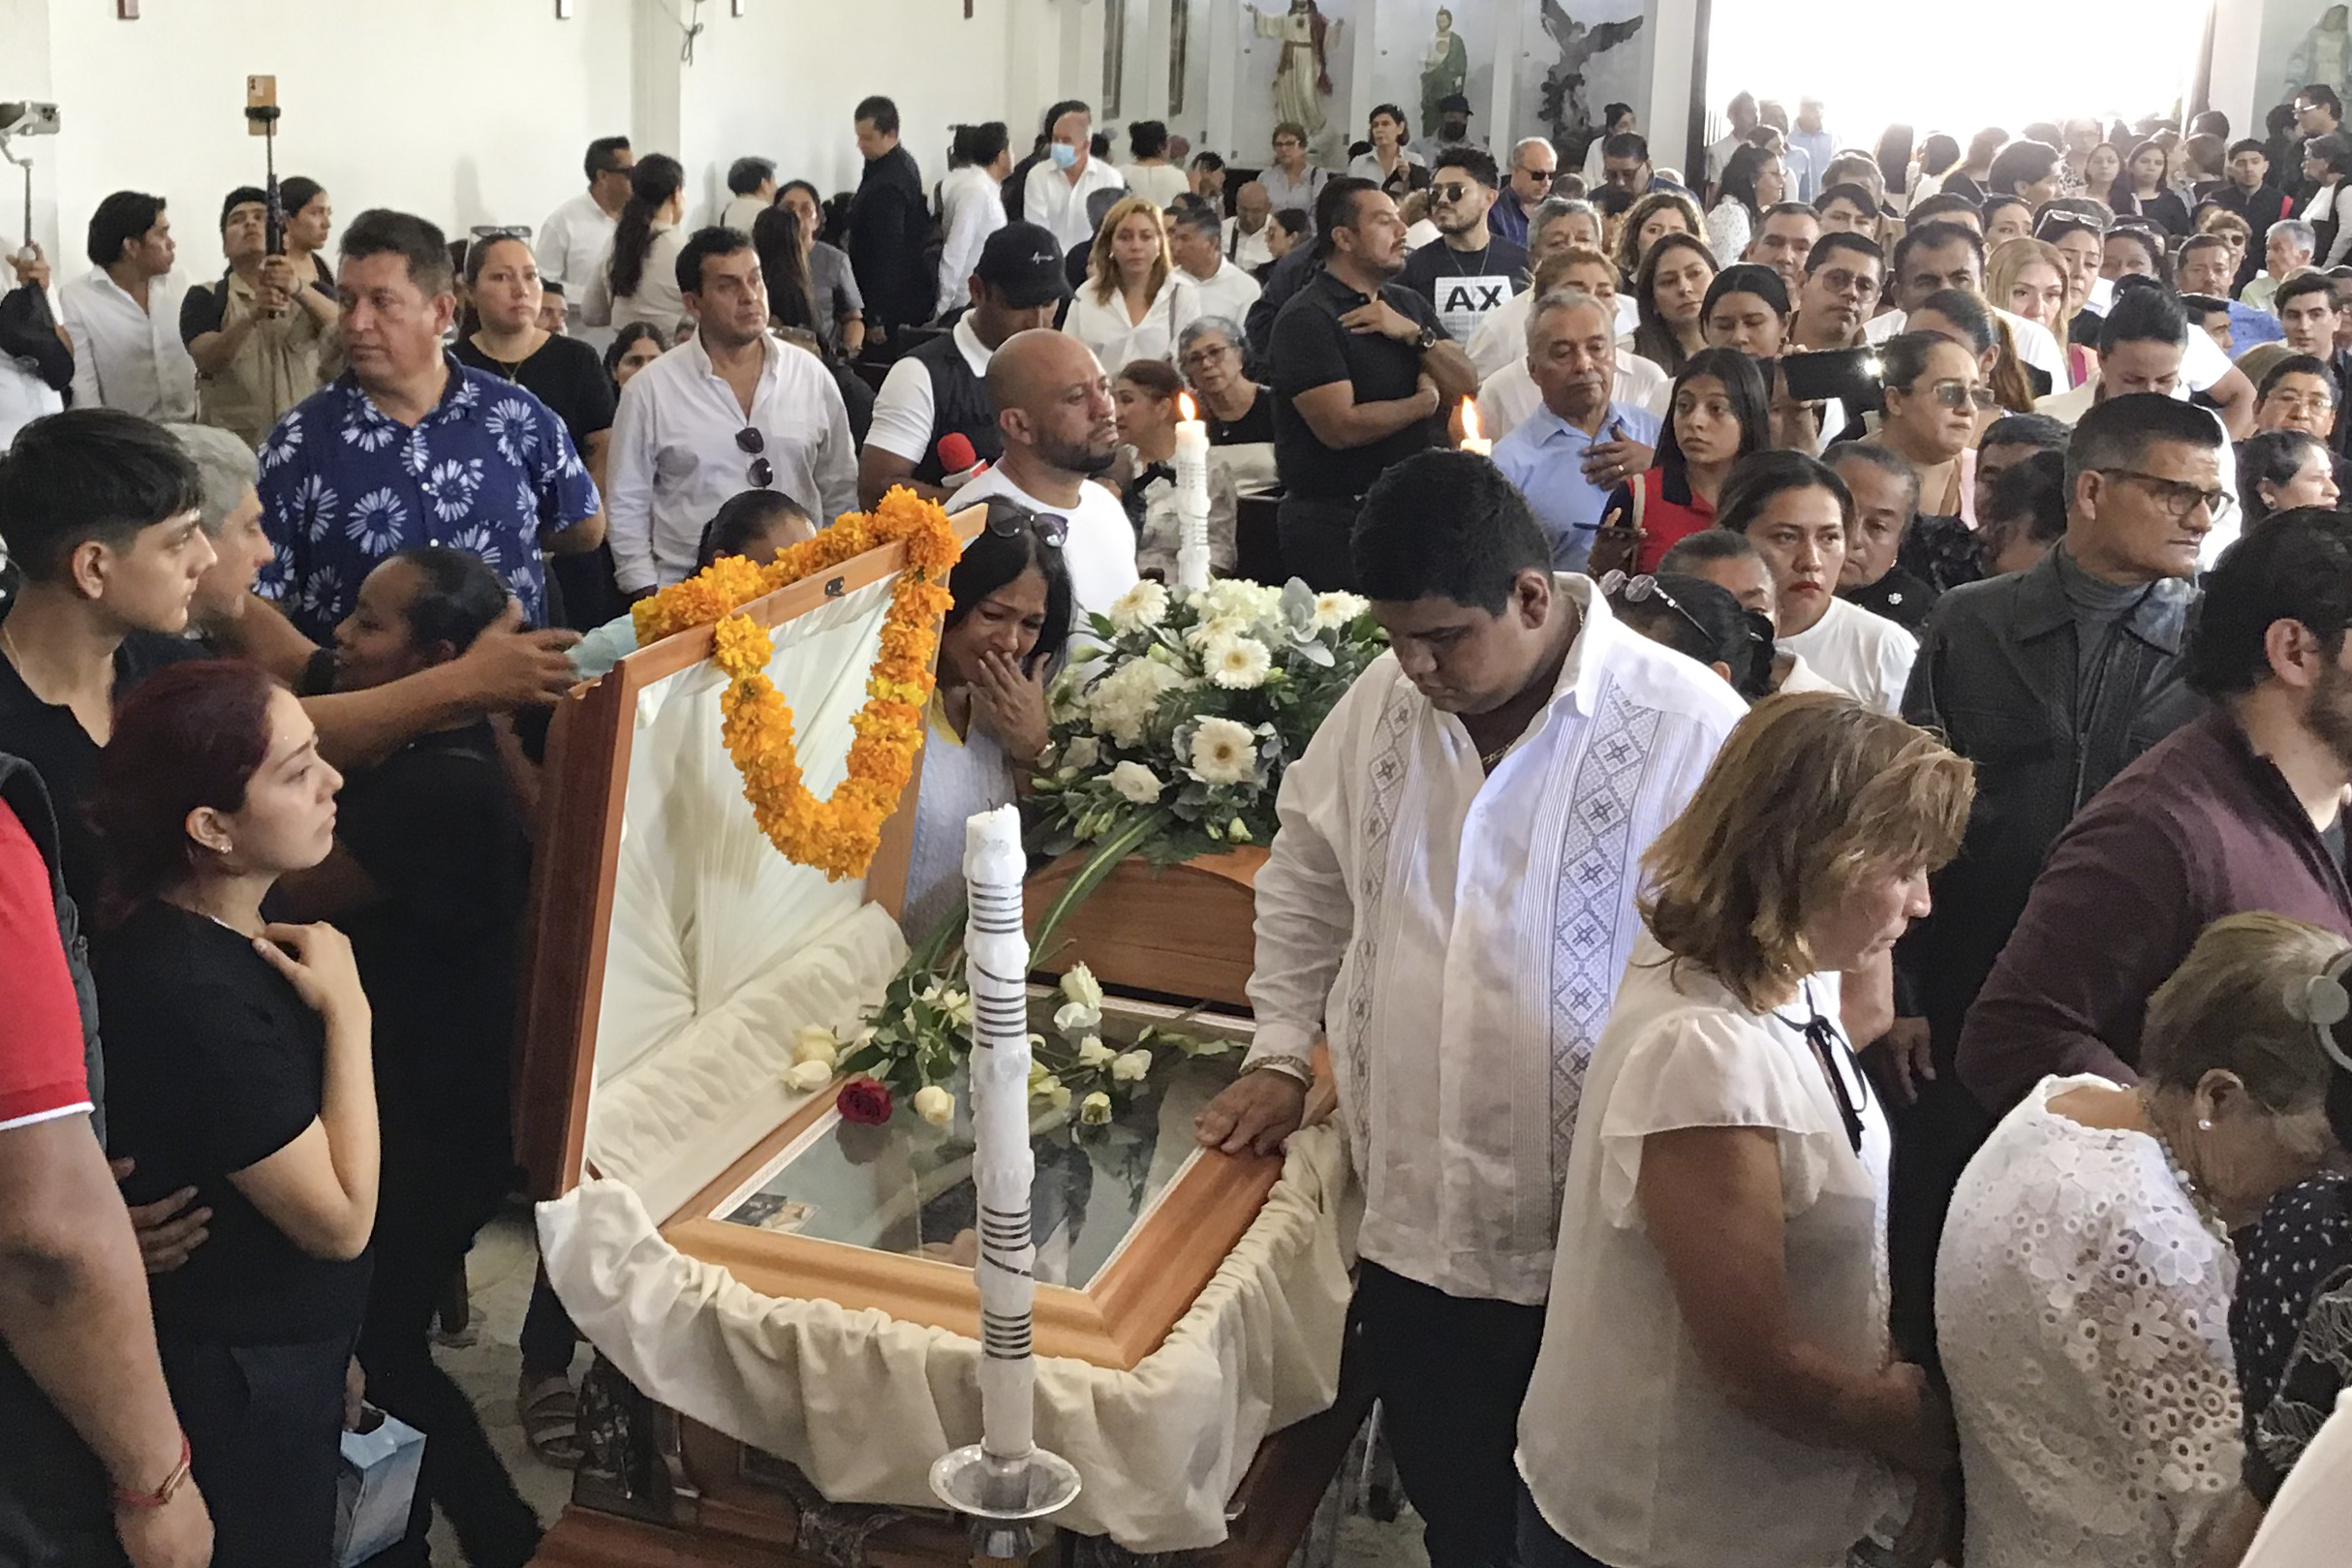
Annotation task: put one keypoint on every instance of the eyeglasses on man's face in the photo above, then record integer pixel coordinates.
(2174, 498)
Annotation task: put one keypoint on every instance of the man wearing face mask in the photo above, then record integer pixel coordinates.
(1060, 429)
(1452, 129)
(1054, 195)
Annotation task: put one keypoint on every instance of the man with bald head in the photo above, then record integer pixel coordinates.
(1248, 243)
(1061, 430)
(1582, 443)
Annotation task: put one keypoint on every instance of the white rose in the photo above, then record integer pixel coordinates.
(1131, 1066)
(1093, 1053)
(1080, 986)
(1335, 610)
(1075, 1018)
(1237, 663)
(1224, 752)
(1095, 1109)
(1136, 783)
(1082, 754)
(935, 1105)
(958, 1006)
(1143, 605)
(807, 1077)
(813, 1042)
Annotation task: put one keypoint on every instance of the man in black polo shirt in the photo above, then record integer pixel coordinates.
(1363, 376)
(937, 389)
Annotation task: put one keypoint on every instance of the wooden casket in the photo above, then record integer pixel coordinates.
(754, 1271)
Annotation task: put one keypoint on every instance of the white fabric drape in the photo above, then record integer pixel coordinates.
(862, 1403)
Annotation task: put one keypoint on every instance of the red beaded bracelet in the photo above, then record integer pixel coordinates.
(172, 1482)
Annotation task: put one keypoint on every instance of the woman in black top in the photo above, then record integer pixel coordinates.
(428, 873)
(501, 278)
(237, 1063)
(1238, 409)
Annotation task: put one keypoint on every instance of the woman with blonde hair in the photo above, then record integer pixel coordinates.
(2082, 1286)
(1652, 218)
(1716, 1386)
(1135, 303)
(2029, 278)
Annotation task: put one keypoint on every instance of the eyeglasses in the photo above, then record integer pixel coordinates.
(1541, 177)
(1644, 588)
(752, 442)
(484, 232)
(1960, 395)
(1008, 521)
(1206, 355)
(1828, 1046)
(2175, 497)
(1451, 191)
(1839, 281)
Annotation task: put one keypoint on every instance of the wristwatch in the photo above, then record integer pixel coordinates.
(1427, 341)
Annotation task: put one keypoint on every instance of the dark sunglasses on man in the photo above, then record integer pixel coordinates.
(752, 444)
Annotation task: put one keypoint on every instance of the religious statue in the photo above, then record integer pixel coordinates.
(1565, 109)
(1303, 77)
(2324, 57)
(1444, 73)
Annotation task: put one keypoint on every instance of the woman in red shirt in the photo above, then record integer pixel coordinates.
(1720, 411)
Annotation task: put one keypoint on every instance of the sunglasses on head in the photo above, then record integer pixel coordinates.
(1008, 521)
(750, 441)
(1616, 585)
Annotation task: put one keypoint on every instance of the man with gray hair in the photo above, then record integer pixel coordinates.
(2287, 248)
(1571, 453)
(752, 184)
(1197, 241)
(230, 512)
(1535, 165)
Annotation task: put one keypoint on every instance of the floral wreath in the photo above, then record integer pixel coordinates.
(840, 835)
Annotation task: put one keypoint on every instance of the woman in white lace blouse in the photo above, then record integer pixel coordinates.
(1714, 1387)
(2083, 1288)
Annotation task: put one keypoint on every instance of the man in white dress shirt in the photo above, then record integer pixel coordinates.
(575, 236)
(1196, 242)
(1248, 243)
(1060, 429)
(123, 319)
(732, 408)
(1054, 196)
(1450, 901)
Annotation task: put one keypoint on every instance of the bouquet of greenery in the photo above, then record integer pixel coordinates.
(1171, 737)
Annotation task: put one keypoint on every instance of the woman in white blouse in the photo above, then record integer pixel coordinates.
(1715, 1388)
(638, 280)
(1134, 304)
(2083, 1287)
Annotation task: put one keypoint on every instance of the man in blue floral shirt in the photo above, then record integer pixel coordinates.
(411, 447)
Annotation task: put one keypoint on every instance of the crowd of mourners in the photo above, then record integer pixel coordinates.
(1829, 926)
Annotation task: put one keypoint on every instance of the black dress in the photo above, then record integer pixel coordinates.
(214, 1065)
(2291, 1324)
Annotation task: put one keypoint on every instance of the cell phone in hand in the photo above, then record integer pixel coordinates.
(1852, 375)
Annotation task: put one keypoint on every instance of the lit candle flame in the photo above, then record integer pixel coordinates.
(1474, 439)
(1184, 404)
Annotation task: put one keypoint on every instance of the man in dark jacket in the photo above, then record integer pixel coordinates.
(889, 222)
(2226, 814)
(2051, 681)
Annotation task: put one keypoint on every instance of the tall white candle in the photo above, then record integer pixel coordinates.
(996, 948)
(1192, 499)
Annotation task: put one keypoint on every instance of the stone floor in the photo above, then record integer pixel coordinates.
(501, 1270)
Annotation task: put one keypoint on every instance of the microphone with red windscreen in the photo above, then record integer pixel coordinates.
(955, 452)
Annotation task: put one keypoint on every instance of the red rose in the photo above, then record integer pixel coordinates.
(865, 1101)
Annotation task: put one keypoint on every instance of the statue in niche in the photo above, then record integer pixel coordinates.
(1444, 73)
(1564, 109)
(1303, 77)
(2324, 56)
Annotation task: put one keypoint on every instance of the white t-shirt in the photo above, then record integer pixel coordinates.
(902, 414)
(1100, 549)
(1860, 651)
(1629, 1447)
(1161, 183)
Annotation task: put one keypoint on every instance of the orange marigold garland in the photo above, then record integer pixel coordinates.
(837, 836)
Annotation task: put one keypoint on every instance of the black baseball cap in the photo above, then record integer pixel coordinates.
(1453, 103)
(1022, 263)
